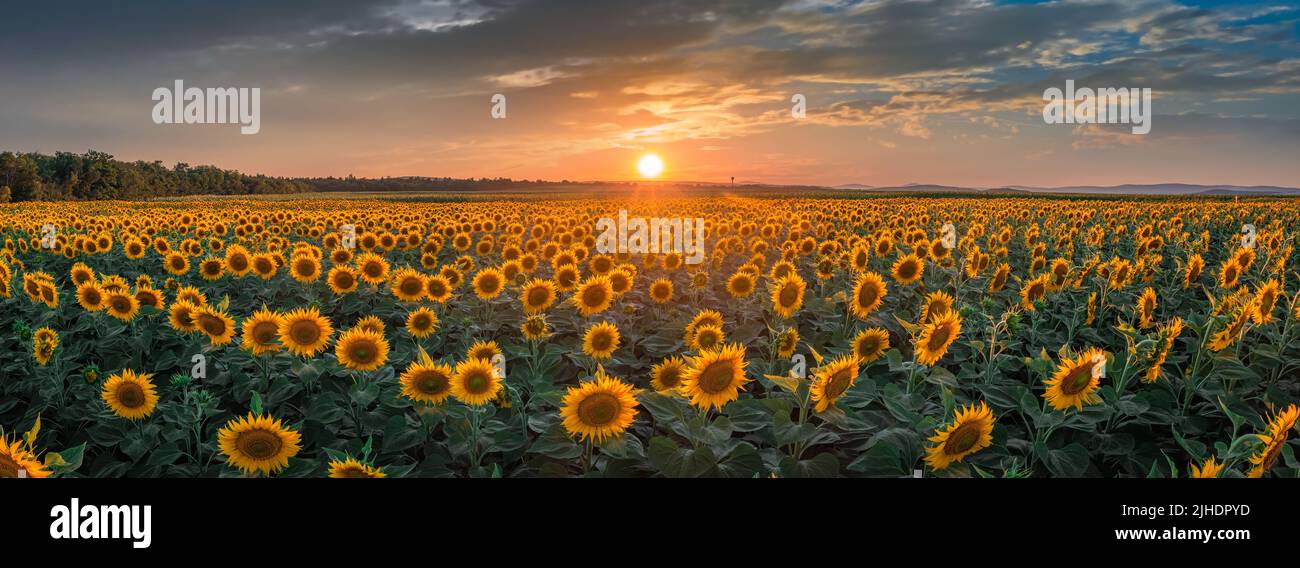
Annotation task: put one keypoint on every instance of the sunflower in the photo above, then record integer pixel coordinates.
(361, 349)
(667, 375)
(371, 323)
(342, 280)
(970, 431)
(176, 264)
(16, 456)
(594, 295)
(426, 381)
(1146, 308)
(1195, 264)
(1265, 301)
(192, 295)
(1076, 381)
(566, 277)
(238, 261)
(483, 350)
(868, 293)
(149, 297)
(937, 303)
(601, 340)
(475, 382)
(181, 316)
(599, 409)
(787, 295)
(408, 285)
(1229, 275)
(261, 332)
(936, 337)
(703, 318)
(91, 296)
(44, 342)
(130, 395)
(1237, 326)
(81, 274)
(786, 342)
(489, 283)
(661, 290)
(871, 344)
(258, 444)
(832, 380)
(908, 269)
(999, 279)
(212, 268)
(1209, 469)
(438, 288)
(537, 295)
(535, 328)
(351, 468)
(304, 268)
(122, 306)
(1033, 291)
(1166, 336)
(740, 285)
(715, 377)
(215, 324)
(707, 337)
(421, 322)
(1279, 428)
(373, 268)
(305, 332)
(264, 265)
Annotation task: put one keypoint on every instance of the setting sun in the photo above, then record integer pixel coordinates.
(650, 166)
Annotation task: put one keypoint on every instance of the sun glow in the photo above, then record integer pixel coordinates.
(650, 166)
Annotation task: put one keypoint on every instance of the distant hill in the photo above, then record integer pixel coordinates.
(1126, 189)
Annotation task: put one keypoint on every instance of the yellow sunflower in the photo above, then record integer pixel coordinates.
(426, 381)
(1279, 428)
(832, 380)
(908, 269)
(409, 285)
(936, 337)
(122, 306)
(1076, 381)
(970, 431)
(421, 322)
(342, 280)
(483, 350)
(937, 303)
(91, 296)
(130, 395)
(601, 340)
(15, 456)
(537, 295)
(351, 468)
(871, 344)
(661, 290)
(489, 283)
(181, 316)
(667, 375)
(475, 382)
(787, 295)
(740, 285)
(305, 332)
(868, 293)
(1146, 308)
(786, 342)
(261, 332)
(599, 409)
(594, 295)
(1209, 469)
(715, 378)
(361, 349)
(1265, 302)
(215, 324)
(258, 444)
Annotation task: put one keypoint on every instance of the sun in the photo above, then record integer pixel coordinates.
(650, 166)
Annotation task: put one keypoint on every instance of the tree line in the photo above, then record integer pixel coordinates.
(97, 175)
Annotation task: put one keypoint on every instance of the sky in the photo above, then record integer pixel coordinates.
(897, 92)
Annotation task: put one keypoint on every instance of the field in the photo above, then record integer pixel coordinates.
(889, 336)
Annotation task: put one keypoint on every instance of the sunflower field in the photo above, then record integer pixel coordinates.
(888, 336)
